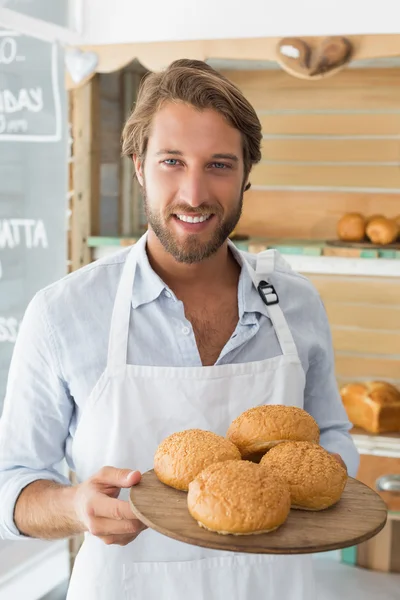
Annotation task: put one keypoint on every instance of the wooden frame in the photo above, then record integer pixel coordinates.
(86, 171)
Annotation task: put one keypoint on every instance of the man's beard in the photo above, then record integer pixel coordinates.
(192, 250)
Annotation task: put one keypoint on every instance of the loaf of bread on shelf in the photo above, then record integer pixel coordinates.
(397, 220)
(351, 227)
(382, 231)
(372, 405)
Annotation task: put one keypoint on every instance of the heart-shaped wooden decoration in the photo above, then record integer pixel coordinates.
(314, 59)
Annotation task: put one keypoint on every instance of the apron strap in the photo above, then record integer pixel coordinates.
(265, 266)
(119, 330)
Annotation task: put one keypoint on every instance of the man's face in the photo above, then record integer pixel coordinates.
(192, 180)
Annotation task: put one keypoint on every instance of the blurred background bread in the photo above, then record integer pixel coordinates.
(381, 230)
(351, 227)
(181, 456)
(372, 217)
(372, 405)
(238, 497)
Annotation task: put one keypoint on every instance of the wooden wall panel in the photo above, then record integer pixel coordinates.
(364, 315)
(366, 341)
(353, 176)
(307, 214)
(381, 291)
(347, 124)
(332, 150)
(325, 144)
(364, 366)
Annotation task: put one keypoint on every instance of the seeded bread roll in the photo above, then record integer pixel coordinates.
(315, 477)
(238, 497)
(260, 428)
(351, 228)
(382, 231)
(182, 455)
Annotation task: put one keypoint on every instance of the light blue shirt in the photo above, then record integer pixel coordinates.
(61, 352)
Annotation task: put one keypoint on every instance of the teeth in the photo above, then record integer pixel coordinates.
(193, 219)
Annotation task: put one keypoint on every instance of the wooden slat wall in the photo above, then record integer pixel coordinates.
(307, 214)
(329, 147)
(364, 314)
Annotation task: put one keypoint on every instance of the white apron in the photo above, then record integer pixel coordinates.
(129, 412)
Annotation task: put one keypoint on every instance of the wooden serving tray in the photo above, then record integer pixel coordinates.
(359, 515)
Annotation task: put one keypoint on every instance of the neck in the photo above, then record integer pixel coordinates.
(219, 270)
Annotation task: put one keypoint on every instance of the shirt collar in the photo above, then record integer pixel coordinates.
(149, 286)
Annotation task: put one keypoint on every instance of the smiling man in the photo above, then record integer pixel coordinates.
(180, 331)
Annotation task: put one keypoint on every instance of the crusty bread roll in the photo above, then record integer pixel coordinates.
(351, 228)
(182, 455)
(373, 406)
(382, 231)
(373, 217)
(315, 477)
(260, 428)
(238, 497)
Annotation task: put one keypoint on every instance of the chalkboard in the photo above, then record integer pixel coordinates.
(33, 171)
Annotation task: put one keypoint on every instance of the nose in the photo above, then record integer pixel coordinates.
(193, 188)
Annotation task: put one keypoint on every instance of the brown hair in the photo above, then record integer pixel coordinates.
(196, 83)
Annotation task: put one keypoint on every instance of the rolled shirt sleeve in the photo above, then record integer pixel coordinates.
(37, 412)
(322, 398)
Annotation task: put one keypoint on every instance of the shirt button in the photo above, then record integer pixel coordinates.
(185, 330)
(168, 294)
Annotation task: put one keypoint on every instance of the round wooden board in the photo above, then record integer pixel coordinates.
(359, 515)
(363, 245)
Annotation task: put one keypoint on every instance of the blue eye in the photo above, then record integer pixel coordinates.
(171, 162)
(220, 165)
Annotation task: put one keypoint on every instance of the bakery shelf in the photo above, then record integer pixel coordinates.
(303, 256)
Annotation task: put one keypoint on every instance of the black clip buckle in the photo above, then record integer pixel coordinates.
(267, 290)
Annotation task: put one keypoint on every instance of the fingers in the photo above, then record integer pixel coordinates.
(101, 505)
(122, 478)
(118, 540)
(102, 527)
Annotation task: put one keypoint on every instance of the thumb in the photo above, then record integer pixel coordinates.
(122, 478)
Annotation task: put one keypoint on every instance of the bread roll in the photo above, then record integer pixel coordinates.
(182, 455)
(238, 497)
(382, 231)
(373, 406)
(260, 428)
(351, 228)
(373, 217)
(315, 477)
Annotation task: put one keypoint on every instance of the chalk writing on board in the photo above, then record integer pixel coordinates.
(27, 232)
(8, 329)
(27, 113)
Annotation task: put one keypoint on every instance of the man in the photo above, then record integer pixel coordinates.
(172, 334)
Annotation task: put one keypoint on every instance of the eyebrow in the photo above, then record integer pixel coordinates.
(214, 156)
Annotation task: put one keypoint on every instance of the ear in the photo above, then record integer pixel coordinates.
(138, 168)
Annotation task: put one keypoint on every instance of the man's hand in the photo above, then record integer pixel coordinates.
(101, 512)
(339, 459)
